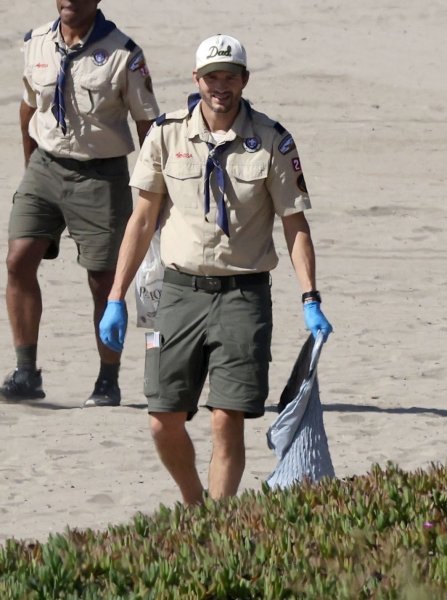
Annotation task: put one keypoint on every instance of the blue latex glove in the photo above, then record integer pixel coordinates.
(315, 320)
(113, 325)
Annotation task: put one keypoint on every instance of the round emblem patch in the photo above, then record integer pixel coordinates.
(100, 57)
(252, 144)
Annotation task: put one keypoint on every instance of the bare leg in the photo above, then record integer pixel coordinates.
(100, 283)
(23, 296)
(176, 452)
(228, 460)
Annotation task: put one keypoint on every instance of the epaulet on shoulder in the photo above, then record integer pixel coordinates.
(130, 45)
(177, 115)
(279, 128)
(265, 120)
(32, 33)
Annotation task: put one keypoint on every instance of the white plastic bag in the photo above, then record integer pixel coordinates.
(148, 283)
(297, 435)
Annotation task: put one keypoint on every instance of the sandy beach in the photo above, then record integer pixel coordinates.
(360, 87)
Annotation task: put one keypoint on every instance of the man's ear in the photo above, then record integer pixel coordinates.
(195, 78)
(245, 78)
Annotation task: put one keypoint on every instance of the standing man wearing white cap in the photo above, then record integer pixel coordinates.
(213, 175)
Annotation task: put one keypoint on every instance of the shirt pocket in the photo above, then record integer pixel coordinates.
(151, 372)
(95, 94)
(248, 180)
(44, 85)
(184, 181)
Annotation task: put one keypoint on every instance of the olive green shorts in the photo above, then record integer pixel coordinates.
(224, 334)
(92, 199)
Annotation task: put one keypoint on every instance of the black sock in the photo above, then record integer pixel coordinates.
(109, 372)
(26, 357)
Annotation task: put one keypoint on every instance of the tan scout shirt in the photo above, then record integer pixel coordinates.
(259, 183)
(101, 87)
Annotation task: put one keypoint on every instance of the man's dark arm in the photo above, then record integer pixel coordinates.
(142, 129)
(29, 145)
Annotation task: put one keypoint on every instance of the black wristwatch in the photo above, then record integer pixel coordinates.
(312, 295)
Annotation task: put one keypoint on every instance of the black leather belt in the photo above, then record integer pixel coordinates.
(74, 164)
(216, 284)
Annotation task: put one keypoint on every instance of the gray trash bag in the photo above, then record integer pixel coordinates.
(297, 435)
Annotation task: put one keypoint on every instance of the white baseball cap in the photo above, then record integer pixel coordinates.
(220, 53)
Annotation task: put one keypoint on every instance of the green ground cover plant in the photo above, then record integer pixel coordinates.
(382, 535)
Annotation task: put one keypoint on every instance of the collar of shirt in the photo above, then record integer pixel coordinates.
(242, 126)
(57, 36)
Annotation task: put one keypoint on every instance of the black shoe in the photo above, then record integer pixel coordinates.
(22, 384)
(106, 393)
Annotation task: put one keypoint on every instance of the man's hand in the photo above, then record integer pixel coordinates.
(315, 320)
(113, 325)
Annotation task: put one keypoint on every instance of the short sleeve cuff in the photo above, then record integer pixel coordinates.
(301, 204)
(151, 182)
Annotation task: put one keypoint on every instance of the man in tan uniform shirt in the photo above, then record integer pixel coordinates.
(213, 176)
(82, 77)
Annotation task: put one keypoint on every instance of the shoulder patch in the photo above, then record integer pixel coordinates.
(137, 62)
(28, 35)
(130, 45)
(287, 144)
(279, 128)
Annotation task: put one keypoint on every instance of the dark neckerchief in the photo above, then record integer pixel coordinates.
(100, 30)
(212, 164)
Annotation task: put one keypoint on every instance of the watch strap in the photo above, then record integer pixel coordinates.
(312, 295)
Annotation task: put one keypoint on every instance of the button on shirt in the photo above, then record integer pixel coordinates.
(102, 86)
(260, 183)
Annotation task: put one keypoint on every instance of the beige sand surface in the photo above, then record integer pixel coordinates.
(362, 87)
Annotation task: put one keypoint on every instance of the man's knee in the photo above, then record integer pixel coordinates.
(223, 419)
(228, 428)
(100, 282)
(164, 425)
(24, 257)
